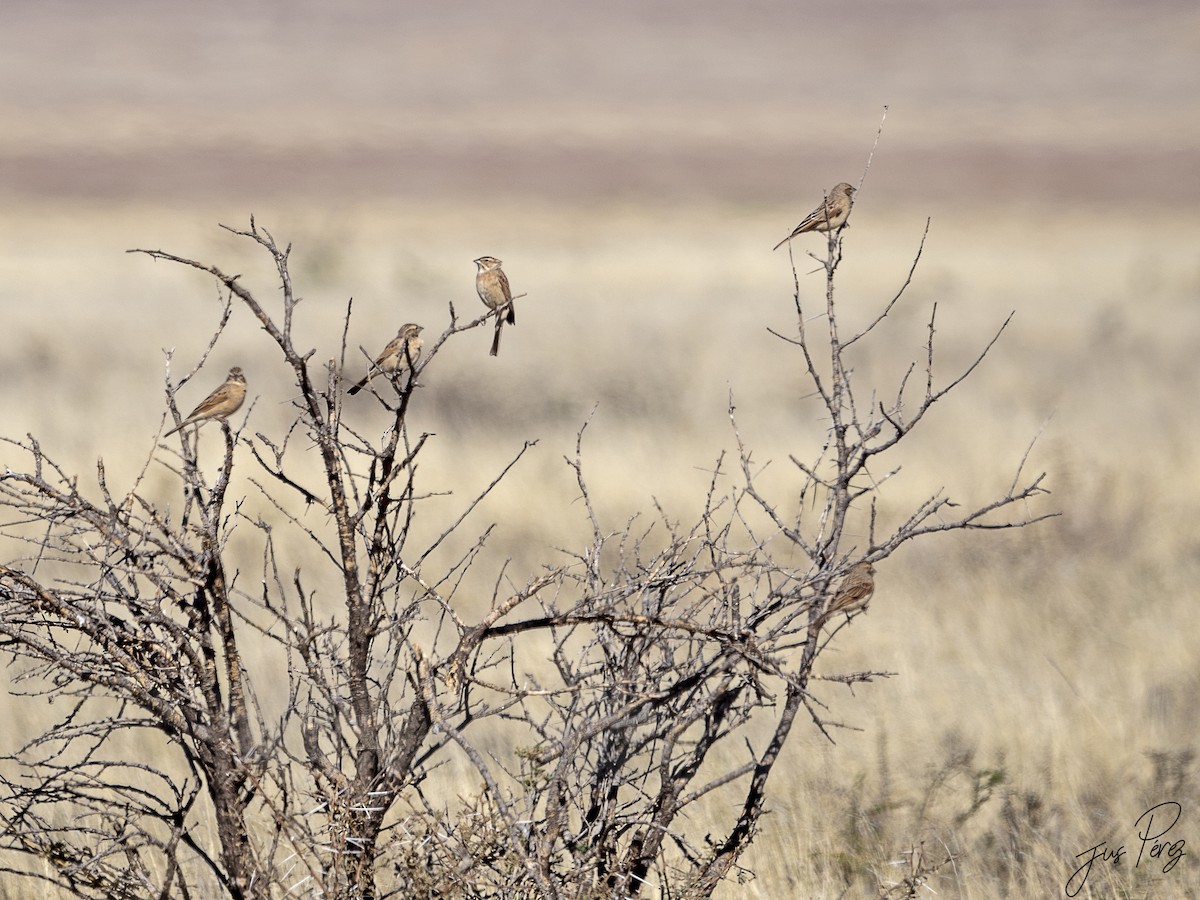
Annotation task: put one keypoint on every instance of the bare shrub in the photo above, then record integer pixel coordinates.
(666, 641)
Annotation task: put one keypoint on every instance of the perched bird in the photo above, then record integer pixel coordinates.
(400, 353)
(492, 285)
(854, 593)
(830, 215)
(224, 401)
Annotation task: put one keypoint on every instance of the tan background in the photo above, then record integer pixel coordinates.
(633, 163)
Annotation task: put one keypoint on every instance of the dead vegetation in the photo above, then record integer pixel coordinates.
(621, 678)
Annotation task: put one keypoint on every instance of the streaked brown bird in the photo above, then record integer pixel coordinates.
(492, 285)
(830, 215)
(400, 353)
(224, 401)
(854, 593)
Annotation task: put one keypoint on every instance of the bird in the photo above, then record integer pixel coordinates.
(854, 593)
(829, 216)
(492, 285)
(400, 353)
(224, 401)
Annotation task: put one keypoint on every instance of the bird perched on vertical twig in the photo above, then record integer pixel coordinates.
(224, 401)
(854, 593)
(401, 353)
(492, 285)
(829, 216)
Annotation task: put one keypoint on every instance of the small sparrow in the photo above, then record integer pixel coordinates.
(492, 285)
(224, 401)
(400, 353)
(829, 216)
(854, 593)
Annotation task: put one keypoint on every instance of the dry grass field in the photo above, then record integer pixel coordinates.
(633, 164)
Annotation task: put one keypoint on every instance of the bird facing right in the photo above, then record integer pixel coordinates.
(829, 216)
(223, 402)
(855, 591)
(400, 353)
(492, 286)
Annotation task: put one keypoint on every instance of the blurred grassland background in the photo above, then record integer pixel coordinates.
(632, 164)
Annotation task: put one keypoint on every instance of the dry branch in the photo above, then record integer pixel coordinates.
(665, 643)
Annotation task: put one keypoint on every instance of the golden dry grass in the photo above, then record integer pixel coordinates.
(1056, 654)
(639, 222)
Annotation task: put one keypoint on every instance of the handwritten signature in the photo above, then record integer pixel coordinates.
(1163, 817)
